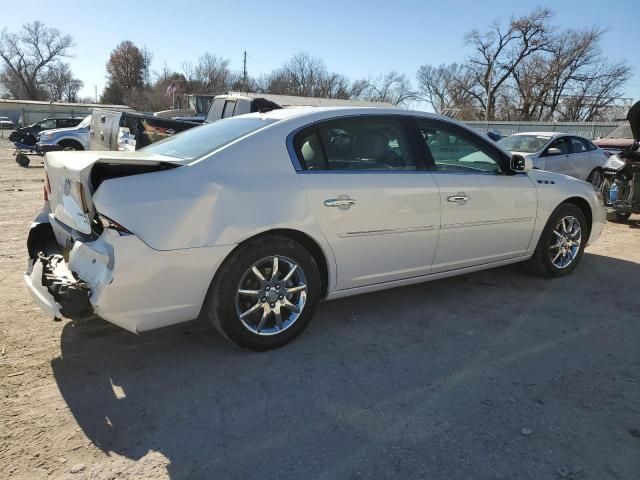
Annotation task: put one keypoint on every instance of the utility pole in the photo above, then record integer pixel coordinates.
(244, 71)
(95, 91)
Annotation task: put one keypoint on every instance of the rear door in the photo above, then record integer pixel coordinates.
(582, 160)
(487, 214)
(374, 204)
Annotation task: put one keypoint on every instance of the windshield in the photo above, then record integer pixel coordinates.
(621, 131)
(524, 143)
(199, 141)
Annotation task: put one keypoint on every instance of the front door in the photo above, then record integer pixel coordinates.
(559, 159)
(379, 213)
(487, 215)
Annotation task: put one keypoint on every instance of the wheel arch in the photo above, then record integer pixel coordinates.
(307, 242)
(71, 142)
(584, 206)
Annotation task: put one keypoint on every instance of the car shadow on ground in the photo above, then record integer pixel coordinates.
(434, 380)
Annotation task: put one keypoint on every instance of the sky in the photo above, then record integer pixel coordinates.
(356, 38)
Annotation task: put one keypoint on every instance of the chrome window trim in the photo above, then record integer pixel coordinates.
(295, 161)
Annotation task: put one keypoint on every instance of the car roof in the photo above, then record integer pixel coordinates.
(322, 113)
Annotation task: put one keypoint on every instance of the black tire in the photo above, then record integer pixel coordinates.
(541, 262)
(22, 160)
(618, 217)
(70, 145)
(219, 306)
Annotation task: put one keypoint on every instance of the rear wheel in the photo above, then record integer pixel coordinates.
(264, 295)
(22, 160)
(562, 242)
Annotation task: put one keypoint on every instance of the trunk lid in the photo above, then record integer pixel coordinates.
(70, 184)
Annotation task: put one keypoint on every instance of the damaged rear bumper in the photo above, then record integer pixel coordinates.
(118, 278)
(50, 281)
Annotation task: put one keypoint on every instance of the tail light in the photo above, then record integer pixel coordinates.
(82, 197)
(106, 222)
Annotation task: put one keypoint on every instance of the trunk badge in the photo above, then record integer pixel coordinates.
(67, 186)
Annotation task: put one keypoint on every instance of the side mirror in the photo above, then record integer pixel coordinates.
(553, 151)
(520, 163)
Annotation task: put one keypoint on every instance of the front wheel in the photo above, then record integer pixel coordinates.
(265, 294)
(562, 242)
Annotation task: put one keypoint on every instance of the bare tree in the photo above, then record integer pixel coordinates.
(446, 88)
(500, 50)
(28, 56)
(211, 74)
(61, 85)
(393, 87)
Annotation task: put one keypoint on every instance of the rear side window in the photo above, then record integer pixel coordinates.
(577, 146)
(361, 144)
(587, 145)
(228, 108)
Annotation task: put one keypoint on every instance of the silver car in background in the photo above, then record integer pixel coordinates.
(72, 138)
(559, 152)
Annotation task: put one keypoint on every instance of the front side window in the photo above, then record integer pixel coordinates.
(558, 144)
(453, 151)
(47, 124)
(361, 144)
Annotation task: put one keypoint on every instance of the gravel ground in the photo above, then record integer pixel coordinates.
(493, 375)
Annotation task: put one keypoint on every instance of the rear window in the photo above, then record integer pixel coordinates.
(199, 141)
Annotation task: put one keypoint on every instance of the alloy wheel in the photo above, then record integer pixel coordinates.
(271, 295)
(565, 242)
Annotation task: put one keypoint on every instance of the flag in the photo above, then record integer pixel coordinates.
(171, 89)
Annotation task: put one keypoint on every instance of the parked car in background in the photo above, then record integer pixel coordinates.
(559, 152)
(250, 221)
(129, 131)
(233, 104)
(29, 135)
(6, 124)
(618, 140)
(72, 138)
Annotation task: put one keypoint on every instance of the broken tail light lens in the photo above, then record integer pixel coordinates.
(106, 222)
(82, 197)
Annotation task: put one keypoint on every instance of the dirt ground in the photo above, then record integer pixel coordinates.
(492, 375)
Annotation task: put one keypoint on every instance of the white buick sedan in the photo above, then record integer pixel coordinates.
(250, 221)
(559, 152)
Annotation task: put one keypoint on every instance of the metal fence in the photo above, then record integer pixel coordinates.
(590, 130)
(25, 116)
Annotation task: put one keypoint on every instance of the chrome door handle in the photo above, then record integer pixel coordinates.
(460, 198)
(339, 202)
